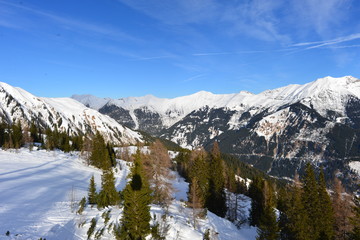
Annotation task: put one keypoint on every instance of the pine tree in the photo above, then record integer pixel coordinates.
(108, 195)
(311, 203)
(2, 134)
(99, 155)
(216, 201)
(92, 195)
(64, 142)
(34, 132)
(17, 136)
(355, 220)
(326, 213)
(297, 218)
(257, 199)
(50, 143)
(137, 197)
(112, 154)
(268, 227)
(199, 168)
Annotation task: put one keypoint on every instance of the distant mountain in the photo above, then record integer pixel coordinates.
(277, 130)
(65, 114)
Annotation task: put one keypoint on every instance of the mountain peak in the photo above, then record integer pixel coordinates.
(65, 114)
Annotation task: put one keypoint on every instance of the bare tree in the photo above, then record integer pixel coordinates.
(196, 202)
(86, 149)
(342, 209)
(157, 167)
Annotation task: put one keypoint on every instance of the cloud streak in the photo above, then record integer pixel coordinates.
(196, 77)
(320, 44)
(72, 24)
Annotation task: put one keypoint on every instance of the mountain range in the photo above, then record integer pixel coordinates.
(277, 131)
(65, 114)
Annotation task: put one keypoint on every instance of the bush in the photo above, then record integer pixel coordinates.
(106, 216)
(91, 228)
(82, 205)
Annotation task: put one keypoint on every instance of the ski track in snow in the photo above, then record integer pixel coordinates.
(38, 189)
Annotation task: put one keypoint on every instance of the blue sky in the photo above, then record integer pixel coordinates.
(120, 48)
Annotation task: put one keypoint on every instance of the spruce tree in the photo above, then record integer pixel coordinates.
(311, 203)
(355, 220)
(108, 195)
(2, 134)
(34, 133)
(268, 228)
(298, 222)
(112, 155)
(92, 195)
(257, 199)
(137, 197)
(326, 213)
(199, 169)
(216, 201)
(100, 155)
(17, 135)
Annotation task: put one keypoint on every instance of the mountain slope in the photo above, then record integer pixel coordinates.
(278, 130)
(65, 114)
(326, 95)
(41, 191)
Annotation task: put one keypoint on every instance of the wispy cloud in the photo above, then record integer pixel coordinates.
(153, 57)
(176, 12)
(241, 52)
(212, 54)
(72, 24)
(257, 19)
(320, 44)
(321, 16)
(196, 77)
(254, 18)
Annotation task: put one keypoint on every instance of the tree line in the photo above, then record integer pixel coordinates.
(306, 210)
(16, 136)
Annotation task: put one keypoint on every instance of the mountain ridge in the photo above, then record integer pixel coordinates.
(172, 110)
(65, 114)
(277, 131)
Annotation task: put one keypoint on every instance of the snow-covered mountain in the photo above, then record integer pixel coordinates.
(66, 114)
(323, 95)
(277, 130)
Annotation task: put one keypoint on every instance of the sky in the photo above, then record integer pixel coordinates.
(121, 48)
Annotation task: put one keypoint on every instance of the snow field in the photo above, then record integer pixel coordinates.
(40, 192)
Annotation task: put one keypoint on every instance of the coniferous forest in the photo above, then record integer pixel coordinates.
(307, 208)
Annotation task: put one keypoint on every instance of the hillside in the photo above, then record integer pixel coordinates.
(41, 191)
(277, 131)
(65, 114)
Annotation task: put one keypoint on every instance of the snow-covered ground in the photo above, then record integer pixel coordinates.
(40, 191)
(355, 166)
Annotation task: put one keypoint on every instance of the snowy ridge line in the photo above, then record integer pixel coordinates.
(66, 114)
(323, 94)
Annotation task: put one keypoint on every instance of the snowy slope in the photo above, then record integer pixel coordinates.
(64, 113)
(39, 188)
(323, 94)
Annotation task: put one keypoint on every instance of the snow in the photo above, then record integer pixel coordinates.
(355, 166)
(40, 191)
(35, 190)
(323, 94)
(67, 113)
